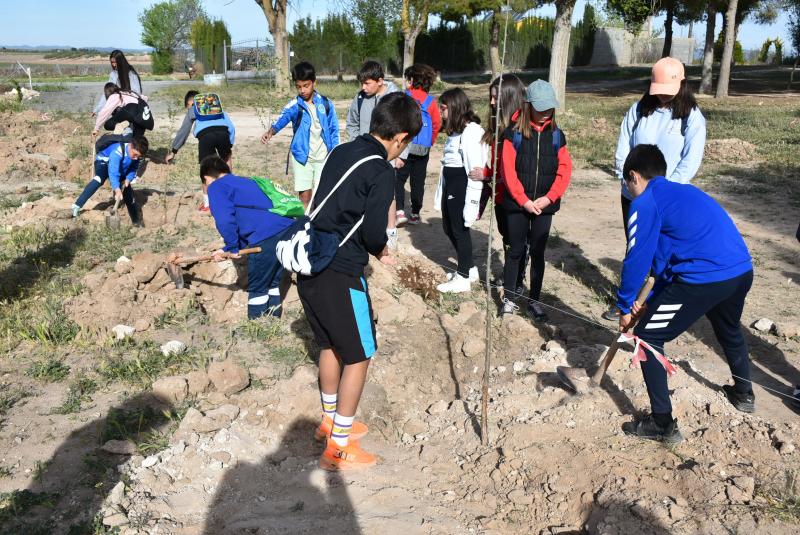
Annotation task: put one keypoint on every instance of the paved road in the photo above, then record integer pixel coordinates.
(82, 96)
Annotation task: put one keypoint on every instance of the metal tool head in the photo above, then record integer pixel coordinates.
(175, 273)
(112, 218)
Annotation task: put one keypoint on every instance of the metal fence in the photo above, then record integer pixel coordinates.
(251, 58)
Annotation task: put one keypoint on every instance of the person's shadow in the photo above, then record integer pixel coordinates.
(285, 493)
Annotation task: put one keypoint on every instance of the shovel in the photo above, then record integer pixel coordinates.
(578, 380)
(112, 218)
(174, 264)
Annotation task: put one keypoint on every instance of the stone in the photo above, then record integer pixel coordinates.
(764, 325)
(555, 347)
(415, 305)
(197, 382)
(141, 324)
(787, 330)
(519, 497)
(740, 490)
(221, 456)
(116, 520)
(171, 389)
(119, 447)
(786, 448)
(262, 373)
(173, 347)
(438, 407)
(228, 377)
(414, 427)
(225, 413)
(473, 347)
(117, 493)
(146, 265)
(123, 331)
(150, 461)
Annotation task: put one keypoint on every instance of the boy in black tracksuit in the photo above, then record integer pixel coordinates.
(336, 300)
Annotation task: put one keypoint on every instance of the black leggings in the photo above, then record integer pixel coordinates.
(415, 167)
(527, 229)
(453, 198)
(502, 227)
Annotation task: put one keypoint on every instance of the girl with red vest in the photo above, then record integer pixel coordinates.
(536, 169)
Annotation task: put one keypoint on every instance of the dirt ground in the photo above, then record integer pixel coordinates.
(241, 458)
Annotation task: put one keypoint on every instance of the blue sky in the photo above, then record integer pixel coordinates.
(114, 23)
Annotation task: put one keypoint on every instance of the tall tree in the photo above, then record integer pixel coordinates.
(413, 21)
(794, 33)
(165, 27)
(706, 80)
(275, 13)
(727, 51)
(669, 10)
(375, 21)
(559, 54)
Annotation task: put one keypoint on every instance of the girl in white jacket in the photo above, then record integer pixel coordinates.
(458, 197)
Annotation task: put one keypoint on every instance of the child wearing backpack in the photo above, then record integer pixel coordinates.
(244, 217)
(124, 106)
(373, 88)
(537, 168)
(667, 116)
(118, 163)
(702, 268)
(213, 129)
(419, 79)
(315, 127)
(353, 197)
(457, 196)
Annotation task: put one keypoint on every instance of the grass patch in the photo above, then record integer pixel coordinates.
(192, 313)
(50, 87)
(51, 370)
(140, 363)
(289, 355)
(77, 149)
(78, 393)
(262, 329)
(782, 503)
(9, 398)
(5, 472)
(15, 505)
(146, 427)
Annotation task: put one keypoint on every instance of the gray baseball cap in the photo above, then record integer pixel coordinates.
(541, 95)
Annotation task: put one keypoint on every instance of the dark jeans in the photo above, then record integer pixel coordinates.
(415, 167)
(264, 274)
(626, 208)
(674, 309)
(100, 176)
(453, 198)
(527, 230)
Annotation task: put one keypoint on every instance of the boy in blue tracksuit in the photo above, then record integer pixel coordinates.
(702, 268)
(243, 218)
(316, 130)
(117, 163)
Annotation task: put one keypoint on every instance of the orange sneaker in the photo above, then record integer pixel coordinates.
(351, 457)
(324, 430)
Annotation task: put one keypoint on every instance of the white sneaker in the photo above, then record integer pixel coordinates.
(75, 210)
(457, 284)
(391, 235)
(473, 274)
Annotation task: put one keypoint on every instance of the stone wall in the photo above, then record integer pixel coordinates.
(617, 46)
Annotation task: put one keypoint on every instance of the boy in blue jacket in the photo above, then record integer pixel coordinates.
(702, 268)
(117, 163)
(243, 218)
(215, 135)
(316, 130)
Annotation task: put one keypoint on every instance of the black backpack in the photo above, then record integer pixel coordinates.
(106, 140)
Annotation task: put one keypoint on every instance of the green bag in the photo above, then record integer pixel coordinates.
(283, 204)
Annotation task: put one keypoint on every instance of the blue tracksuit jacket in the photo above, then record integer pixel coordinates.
(296, 112)
(682, 234)
(120, 165)
(241, 213)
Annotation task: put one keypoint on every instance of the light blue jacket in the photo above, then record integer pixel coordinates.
(683, 154)
(297, 113)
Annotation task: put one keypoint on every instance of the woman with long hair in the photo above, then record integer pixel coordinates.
(667, 116)
(510, 99)
(457, 196)
(123, 75)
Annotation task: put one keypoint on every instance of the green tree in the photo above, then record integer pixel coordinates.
(165, 27)
(376, 25)
(208, 37)
(794, 33)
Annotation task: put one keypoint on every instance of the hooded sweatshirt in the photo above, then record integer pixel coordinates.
(360, 113)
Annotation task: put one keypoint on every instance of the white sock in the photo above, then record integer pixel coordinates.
(342, 425)
(205, 199)
(328, 404)
(391, 232)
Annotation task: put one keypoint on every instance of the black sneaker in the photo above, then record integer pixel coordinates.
(649, 429)
(612, 314)
(741, 402)
(536, 312)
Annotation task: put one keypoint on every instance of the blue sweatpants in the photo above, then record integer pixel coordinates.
(673, 310)
(264, 274)
(100, 176)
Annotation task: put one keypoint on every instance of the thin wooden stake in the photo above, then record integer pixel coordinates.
(487, 364)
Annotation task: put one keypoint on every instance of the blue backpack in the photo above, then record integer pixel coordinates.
(425, 136)
(516, 140)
